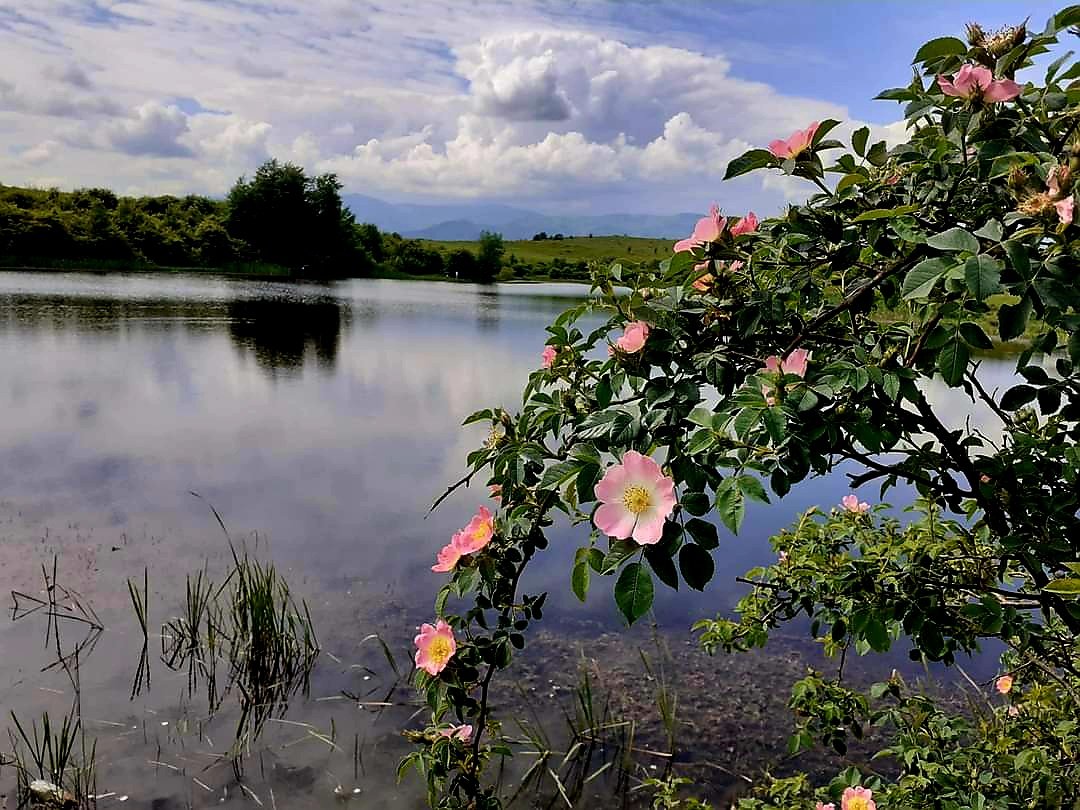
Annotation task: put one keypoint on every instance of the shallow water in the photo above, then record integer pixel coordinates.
(320, 421)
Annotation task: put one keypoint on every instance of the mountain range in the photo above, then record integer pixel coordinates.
(465, 221)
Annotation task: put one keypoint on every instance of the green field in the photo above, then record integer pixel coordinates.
(573, 249)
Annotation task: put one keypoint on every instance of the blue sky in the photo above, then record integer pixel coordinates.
(587, 106)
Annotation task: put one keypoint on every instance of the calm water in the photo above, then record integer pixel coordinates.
(320, 421)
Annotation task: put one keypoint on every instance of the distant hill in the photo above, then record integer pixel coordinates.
(465, 221)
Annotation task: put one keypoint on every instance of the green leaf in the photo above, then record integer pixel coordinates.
(701, 417)
(922, 278)
(983, 276)
(586, 482)
(992, 230)
(634, 592)
(703, 532)
(1069, 587)
(952, 362)
(891, 385)
(696, 565)
(1017, 257)
(885, 213)
(1012, 319)
(730, 505)
(942, 46)
(662, 565)
(558, 474)
(579, 579)
(775, 424)
(878, 154)
(974, 336)
(752, 488)
(748, 162)
(696, 503)
(876, 635)
(954, 240)
(701, 441)
(1017, 397)
(858, 140)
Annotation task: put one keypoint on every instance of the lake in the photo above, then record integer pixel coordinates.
(320, 421)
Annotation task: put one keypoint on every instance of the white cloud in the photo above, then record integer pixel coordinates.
(154, 129)
(549, 105)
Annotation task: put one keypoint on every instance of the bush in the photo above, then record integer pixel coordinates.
(734, 382)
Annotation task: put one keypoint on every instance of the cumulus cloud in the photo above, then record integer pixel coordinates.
(549, 104)
(153, 130)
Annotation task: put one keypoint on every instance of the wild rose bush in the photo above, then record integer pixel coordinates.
(764, 353)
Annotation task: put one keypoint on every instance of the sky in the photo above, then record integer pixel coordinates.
(593, 106)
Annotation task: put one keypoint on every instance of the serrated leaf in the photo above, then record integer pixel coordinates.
(992, 230)
(701, 416)
(858, 140)
(885, 213)
(730, 505)
(558, 474)
(696, 503)
(954, 240)
(662, 565)
(939, 47)
(1012, 319)
(634, 592)
(1069, 587)
(1017, 397)
(696, 565)
(922, 278)
(579, 579)
(703, 532)
(974, 336)
(983, 276)
(952, 362)
(890, 384)
(752, 488)
(748, 162)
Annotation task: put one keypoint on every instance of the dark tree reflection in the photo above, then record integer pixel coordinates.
(284, 334)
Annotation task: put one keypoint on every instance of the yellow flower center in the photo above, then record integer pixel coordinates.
(858, 803)
(636, 499)
(439, 650)
(482, 532)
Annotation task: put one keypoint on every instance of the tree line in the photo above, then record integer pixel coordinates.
(281, 219)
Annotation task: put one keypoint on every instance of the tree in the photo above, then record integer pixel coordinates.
(759, 356)
(284, 217)
(489, 257)
(461, 264)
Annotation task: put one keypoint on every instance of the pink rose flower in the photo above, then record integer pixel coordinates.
(448, 557)
(857, 798)
(747, 224)
(477, 533)
(708, 229)
(1064, 210)
(435, 646)
(547, 357)
(633, 337)
(851, 504)
(635, 499)
(461, 733)
(978, 82)
(798, 143)
(795, 363)
(1004, 684)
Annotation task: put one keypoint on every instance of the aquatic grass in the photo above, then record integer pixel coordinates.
(57, 755)
(140, 601)
(253, 625)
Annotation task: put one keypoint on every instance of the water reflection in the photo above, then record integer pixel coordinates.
(282, 334)
(323, 418)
